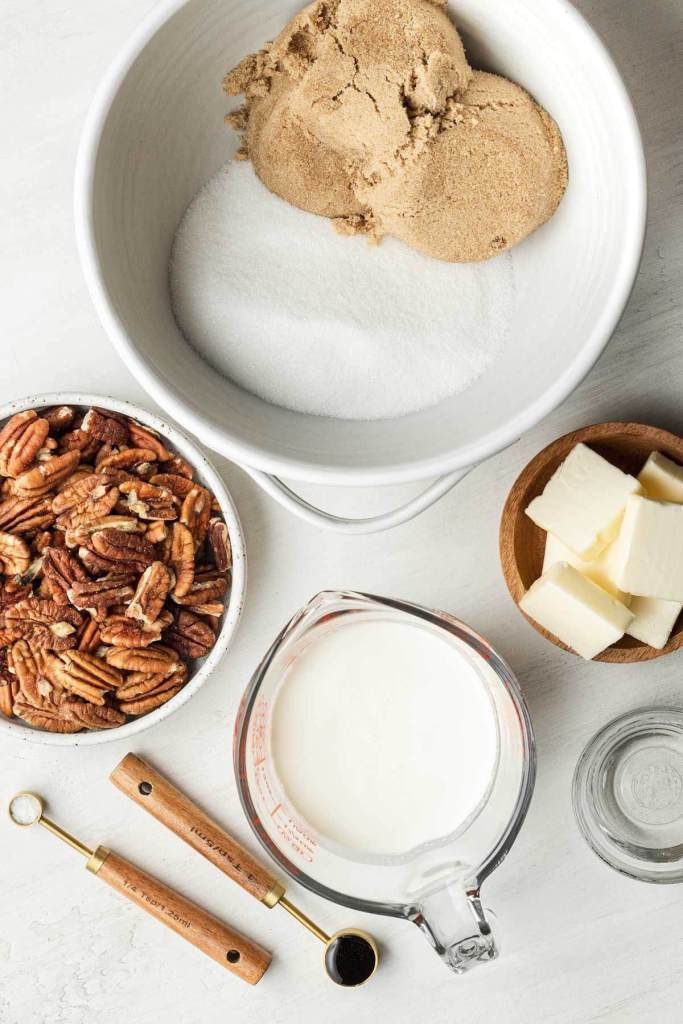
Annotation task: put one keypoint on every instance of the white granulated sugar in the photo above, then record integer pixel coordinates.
(278, 302)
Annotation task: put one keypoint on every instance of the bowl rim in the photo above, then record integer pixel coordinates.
(188, 448)
(258, 457)
(593, 433)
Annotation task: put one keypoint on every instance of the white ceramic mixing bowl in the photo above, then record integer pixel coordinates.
(155, 134)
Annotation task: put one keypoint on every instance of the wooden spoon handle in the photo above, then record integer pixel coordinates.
(172, 808)
(227, 947)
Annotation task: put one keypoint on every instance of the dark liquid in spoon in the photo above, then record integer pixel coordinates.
(350, 960)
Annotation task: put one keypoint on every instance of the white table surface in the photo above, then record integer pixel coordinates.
(580, 943)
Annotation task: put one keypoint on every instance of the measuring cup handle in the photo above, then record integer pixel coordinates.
(293, 502)
(455, 924)
(163, 801)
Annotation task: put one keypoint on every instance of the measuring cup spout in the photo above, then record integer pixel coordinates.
(455, 924)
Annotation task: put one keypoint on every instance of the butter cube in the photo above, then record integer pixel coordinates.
(576, 610)
(649, 556)
(600, 570)
(583, 502)
(662, 478)
(654, 620)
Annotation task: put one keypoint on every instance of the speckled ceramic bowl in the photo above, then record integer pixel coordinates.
(205, 474)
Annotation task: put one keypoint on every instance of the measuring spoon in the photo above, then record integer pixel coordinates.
(227, 947)
(351, 956)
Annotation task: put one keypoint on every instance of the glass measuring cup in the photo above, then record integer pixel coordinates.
(435, 885)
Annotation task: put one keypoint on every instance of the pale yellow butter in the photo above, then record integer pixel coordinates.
(662, 478)
(576, 610)
(583, 502)
(649, 551)
(601, 570)
(654, 620)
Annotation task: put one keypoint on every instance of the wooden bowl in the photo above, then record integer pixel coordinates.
(522, 543)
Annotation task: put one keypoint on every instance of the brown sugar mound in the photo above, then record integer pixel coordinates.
(483, 175)
(367, 112)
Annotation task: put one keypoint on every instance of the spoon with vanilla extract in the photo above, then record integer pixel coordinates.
(351, 957)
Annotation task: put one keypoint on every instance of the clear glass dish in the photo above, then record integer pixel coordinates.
(436, 885)
(628, 794)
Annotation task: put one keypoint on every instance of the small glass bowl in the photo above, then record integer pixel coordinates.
(628, 794)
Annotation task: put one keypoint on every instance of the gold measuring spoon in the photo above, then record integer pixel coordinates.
(351, 956)
(227, 947)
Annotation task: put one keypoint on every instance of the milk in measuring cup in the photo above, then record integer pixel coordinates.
(384, 735)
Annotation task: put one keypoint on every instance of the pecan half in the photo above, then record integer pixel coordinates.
(39, 480)
(21, 439)
(77, 491)
(91, 514)
(151, 593)
(110, 550)
(119, 476)
(61, 570)
(219, 542)
(145, 437)
(89, 636)
(46, 719)
(182, 559)
(149, 501)
(140, 684)
(103, 593)
(179, 486)
(15, 556)
(156, 697)
(133, 460)
(196, 513)
(84, 501)
(105, 451)
(59, 418)
(108, 427)
(86, 675)
(212, 609)
(22, 515)
(92, 716)
(206, 589)
(45, 624)
(121, 631)
(126, 524)
(158, 659)
(189, 635)
(35, 688)
(143, 705)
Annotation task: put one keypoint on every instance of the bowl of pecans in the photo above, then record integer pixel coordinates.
(122, 569)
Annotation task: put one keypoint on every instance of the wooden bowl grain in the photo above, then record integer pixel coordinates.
(522, 543)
